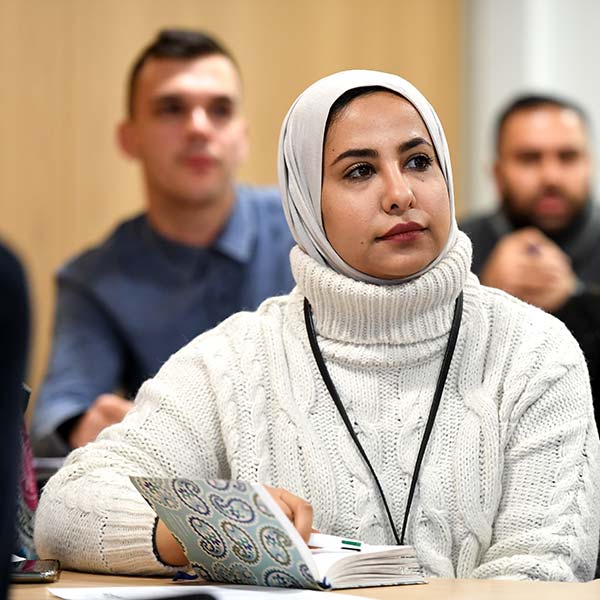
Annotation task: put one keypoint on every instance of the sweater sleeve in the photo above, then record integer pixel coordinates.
(547, 524)
(90, 516)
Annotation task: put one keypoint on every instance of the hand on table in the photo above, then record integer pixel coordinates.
(106, 410)
(531, 267)
(167, 547)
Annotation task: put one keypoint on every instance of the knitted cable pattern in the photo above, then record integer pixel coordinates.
(509, 485)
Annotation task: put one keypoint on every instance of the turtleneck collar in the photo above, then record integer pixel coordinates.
(355, 312)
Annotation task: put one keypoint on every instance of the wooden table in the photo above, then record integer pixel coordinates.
(436, 589)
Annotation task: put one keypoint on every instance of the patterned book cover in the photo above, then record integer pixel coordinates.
(230, 532)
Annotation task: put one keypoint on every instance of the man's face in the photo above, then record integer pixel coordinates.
(543, 168)
(186, 128)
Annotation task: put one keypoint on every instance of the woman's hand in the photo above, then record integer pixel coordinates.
(168, 548)
(297, 510)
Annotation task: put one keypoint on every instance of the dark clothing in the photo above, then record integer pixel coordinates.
(581, 242)
(14, 328)
(125, 306)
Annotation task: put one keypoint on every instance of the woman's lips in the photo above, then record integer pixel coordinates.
(403, 232)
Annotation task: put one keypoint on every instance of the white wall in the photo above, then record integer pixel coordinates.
(512, 46)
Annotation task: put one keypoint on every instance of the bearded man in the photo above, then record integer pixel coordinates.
(542, 244)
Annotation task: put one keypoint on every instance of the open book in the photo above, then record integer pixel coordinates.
(234, 532)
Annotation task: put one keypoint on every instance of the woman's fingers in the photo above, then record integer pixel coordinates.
(296, 509)
(302, 513)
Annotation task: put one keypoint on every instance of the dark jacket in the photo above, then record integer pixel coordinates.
(581, 242)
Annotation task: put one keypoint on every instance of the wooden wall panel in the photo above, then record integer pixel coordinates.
(63, 64)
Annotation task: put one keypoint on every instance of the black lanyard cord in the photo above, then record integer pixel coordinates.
(439, 389)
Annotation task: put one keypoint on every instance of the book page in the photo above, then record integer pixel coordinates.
(373, 565)
(324, 559)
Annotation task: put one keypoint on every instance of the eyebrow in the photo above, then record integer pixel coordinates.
(369, 153)
(164, 98)
(180, 97)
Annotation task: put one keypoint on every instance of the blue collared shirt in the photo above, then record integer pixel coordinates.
(125, 306)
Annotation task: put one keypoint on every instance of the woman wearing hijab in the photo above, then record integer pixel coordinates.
(397, 397)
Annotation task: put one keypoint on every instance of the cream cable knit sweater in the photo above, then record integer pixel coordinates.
(509, 486)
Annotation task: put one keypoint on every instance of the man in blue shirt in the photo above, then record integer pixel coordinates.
(204, 249)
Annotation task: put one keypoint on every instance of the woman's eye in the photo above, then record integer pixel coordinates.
(359, 172)
(420, 162)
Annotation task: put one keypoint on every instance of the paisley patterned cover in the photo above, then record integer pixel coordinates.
(229, 533)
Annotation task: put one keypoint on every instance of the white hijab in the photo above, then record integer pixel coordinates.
(301, 157)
